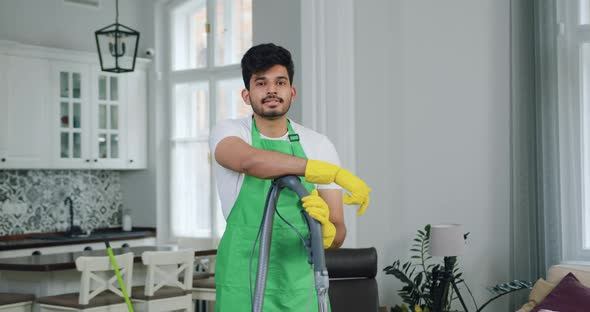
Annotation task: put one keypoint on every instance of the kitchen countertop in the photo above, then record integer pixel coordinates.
(67, 260)
(39, 240)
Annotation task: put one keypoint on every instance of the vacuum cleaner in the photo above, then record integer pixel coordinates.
(314, 246)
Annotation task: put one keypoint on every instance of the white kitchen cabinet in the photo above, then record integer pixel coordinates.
(60, 111)
(24, 118)
(89, 120)
(95, 132)
(137, 120)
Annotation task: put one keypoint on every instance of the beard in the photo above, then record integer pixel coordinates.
(282, 110)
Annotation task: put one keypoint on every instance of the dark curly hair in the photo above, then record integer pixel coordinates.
(264, 56)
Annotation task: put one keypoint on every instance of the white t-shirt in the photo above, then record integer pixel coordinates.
(315, 145)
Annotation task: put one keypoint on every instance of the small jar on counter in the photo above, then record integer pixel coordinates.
(127, 221)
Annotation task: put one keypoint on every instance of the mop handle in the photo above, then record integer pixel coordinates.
(317, 244)
(119, 278)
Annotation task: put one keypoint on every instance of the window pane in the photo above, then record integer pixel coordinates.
(65, 145)
(77, 115)
(114, 117)
(102, 116)
(585, 88)
(229, 100)
(191, 199)
(102, 145)
(233, 30)
(114, 146)
(114, 89)
(584, 11)
(191, 110)
(64, 84)
(189, 36)
(102, 88)
(77, 145)
(65, 115)
(76, 79)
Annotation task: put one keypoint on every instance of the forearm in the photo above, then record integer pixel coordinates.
(333, 197)
(235, 154)
(265, 164)
(340, 235)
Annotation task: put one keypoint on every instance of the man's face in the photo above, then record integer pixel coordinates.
(270, 93)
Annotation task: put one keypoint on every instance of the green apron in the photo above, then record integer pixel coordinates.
(290, 284)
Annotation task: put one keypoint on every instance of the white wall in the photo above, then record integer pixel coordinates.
(432, 105)
(53, 23)
(279, 22)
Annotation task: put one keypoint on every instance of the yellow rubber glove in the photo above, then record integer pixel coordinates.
(359, 191)
(317, 208)
(322, 172)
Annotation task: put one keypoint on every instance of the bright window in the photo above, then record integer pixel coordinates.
(208, 39)
(573, 48)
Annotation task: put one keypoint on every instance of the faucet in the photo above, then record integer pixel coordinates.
(73, 230)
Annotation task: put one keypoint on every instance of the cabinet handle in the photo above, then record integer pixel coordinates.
(3, 159)
(87, 248)
(96, 160)
(87, 160)
(125, 245)
(130, 160)
(36, 253)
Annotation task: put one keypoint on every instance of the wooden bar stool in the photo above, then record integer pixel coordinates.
(16, 302)
(168, 282)
(203, 290)
(104, 296)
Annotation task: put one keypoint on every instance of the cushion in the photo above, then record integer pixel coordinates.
(351, 262)
(569, 295)
(71, 300)
(204, 283)
(541, 289)
(138, 292)
(557, 272)
(8, 298)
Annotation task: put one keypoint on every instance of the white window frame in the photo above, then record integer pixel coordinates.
(212, 75)
(574, 130)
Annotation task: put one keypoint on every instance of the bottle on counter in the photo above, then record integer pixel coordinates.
(127, 221)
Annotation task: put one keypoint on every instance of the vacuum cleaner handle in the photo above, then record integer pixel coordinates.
(321, 277)
(317, 244)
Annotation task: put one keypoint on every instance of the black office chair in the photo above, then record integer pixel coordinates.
(352, 279)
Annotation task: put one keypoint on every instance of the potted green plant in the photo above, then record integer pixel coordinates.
(425, 290)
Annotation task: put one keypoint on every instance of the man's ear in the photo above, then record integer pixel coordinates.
(293, 94)
(246, 96)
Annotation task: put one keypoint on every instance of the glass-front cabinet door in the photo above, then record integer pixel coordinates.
(108, 132)
(91, 110)
(108, 119)
(70, 118)
(72, 102)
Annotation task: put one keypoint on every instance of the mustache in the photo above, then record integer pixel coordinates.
(272, 97)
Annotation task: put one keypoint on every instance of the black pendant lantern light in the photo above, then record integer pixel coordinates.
(117, 46)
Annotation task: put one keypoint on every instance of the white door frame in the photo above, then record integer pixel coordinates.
(327, 49)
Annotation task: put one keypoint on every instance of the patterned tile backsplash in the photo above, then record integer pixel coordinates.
(32, 201)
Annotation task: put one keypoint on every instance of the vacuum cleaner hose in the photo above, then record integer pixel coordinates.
(317, 246)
